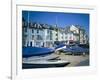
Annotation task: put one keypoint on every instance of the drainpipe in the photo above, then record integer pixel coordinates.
(79, 35)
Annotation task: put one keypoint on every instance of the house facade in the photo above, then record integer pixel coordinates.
(44, 35)
(76, 34)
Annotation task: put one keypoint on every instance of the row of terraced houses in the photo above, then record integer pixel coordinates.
(45, 35)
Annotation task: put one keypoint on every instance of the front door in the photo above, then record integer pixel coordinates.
(31, 44)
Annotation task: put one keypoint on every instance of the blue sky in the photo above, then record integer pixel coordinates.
(62, 19)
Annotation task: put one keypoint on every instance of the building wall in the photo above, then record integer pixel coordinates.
(46, 37)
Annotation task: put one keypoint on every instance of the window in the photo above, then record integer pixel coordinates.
(39, 37)
(32, 30)
(25, 29)
(37, 31)
(50, 35)
(56, 34)
(48, 31)
(32, 37)
(25, 37)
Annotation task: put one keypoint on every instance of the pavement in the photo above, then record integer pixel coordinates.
(75, 60)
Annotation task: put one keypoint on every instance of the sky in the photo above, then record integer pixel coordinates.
(59, 18)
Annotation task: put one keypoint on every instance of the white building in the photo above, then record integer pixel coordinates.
(44, 35)
(38, 35)
(76, 34)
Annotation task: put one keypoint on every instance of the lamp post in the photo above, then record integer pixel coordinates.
(28, 16)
